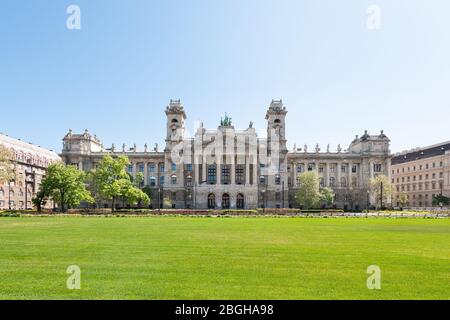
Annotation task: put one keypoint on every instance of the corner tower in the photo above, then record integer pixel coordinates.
(276, 122)
(175, 123)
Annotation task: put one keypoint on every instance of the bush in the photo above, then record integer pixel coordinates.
(10, 213)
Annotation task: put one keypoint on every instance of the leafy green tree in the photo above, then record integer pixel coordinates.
(138, 180)
(327, 196)
(113, 182)
(381, 190)
(308, 194)
(40, 200)
(7, 172)
(440, 199)
(65, 185)
(167, 203)
(402, 199)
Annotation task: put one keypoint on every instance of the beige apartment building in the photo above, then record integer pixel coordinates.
(421, 174)
(30, 164)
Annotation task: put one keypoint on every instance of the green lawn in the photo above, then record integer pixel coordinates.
(224, 258)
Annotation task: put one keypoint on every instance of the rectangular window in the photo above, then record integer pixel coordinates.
(151, 167)
(212, 174)
(277, 179)
(354, 168)
(162, 168)
(240, 174)
(141, 167)
(226, 169)
(174, 167)
(130, 168)
(189, 167)
(377, 167)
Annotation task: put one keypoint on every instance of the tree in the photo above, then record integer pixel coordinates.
(148, 191)
(402, 199)
(40, 200)
(65, 185)
(381, 190)
(167, 203)
(6, 167)
(113, 182)
(327, 196)
(308, 194)
(441, 200)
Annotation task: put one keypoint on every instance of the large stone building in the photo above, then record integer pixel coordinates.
(30, 164)
(230, 168)
(421, 174)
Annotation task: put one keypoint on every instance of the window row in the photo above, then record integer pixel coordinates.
(420, 167)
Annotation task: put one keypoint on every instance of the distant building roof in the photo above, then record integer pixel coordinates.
(25, 147)
(421, 153)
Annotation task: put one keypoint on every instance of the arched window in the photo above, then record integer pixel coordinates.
(2, 193)
(211, 201)
(152, 181)
(189, 181)
(174, 179)
(332, 182)
(225, 201)
(277, 121)
(343, 182)
(322, 182)
(174, 121)
(240, 201)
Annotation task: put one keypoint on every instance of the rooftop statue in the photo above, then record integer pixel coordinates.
(226, 122)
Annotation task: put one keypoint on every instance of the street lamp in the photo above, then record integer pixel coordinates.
(264, 199)
(159, 200)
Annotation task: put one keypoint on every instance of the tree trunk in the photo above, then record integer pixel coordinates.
(113, 204)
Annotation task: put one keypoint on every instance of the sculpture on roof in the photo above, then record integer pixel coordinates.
(226, 122)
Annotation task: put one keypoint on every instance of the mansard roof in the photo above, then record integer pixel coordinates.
(421, 153)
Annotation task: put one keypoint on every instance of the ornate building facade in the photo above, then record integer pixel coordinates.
(229, 168)
(30, 165)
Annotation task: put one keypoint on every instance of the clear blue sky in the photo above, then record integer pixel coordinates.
(116, 75)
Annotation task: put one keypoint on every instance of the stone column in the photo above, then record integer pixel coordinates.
(196, 173)
(327, 174)
(219, 173)
(339, 168)
(388, 168)
(349, 182)
(233, 172)
(371, 169)
(204, 169)
(361, 175)
(294, 176)
(134, 169)
(146, 173)
(255, 173)
(80, 165)
(247, 171)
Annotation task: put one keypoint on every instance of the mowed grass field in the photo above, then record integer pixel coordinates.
(224, 258)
